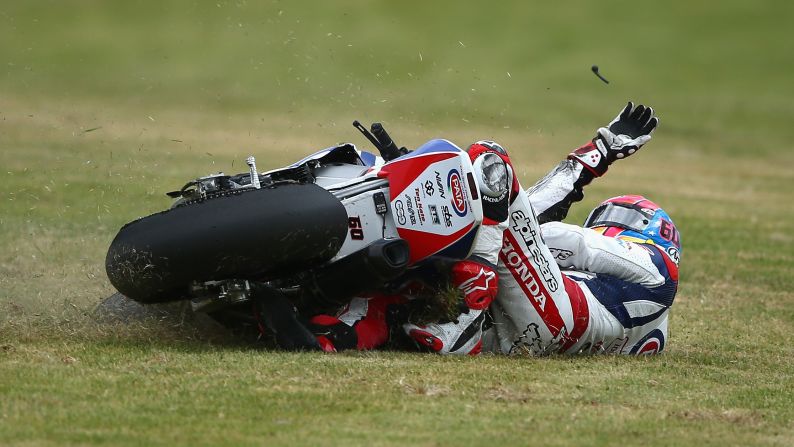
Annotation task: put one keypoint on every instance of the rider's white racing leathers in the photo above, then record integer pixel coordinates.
(568, 289)
(561, 288)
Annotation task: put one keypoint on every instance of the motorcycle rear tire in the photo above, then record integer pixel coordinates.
(244, 234)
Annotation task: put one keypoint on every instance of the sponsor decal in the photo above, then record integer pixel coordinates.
(400, 208)
(525, 273)
(518, 266)
(479, 282)
(434, 215)
(592, 348)
(429, 188)
(616, 345)
(560, 254)
(447, 215)
(440, 185)
(490, 199)
(380, 203)
(492, 145)
(410, 206)
(623, 243)
(419, 209)
(529, 342)
(674, 254)
(651, 343)
(523, 227)
(457, 192)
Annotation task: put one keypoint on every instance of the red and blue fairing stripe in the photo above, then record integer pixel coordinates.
(424, 245)
(434, 158)
(402, 171)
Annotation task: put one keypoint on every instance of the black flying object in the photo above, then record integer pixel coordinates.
(595, 70)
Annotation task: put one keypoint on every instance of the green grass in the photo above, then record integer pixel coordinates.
(106, 105)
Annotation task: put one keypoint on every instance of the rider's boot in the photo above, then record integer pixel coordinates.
(462, 336)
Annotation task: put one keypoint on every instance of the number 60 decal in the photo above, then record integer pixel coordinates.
(356, 231)
(668, 232)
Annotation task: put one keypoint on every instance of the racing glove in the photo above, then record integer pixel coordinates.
(621, 138)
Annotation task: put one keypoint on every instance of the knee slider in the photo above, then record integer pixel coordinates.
(478, 282)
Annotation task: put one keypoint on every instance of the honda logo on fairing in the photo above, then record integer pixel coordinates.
(458, 195)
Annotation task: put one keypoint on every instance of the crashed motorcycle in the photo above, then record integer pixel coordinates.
(328, 227)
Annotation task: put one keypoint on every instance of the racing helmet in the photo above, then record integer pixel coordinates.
(636, 219)
(495, 179)
(490, 160)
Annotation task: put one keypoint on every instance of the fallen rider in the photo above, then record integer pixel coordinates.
(536, 285)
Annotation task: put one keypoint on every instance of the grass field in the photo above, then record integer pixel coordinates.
(106, 105)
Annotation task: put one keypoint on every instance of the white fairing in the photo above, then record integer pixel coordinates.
(365, 225)
(328, 176)
(434, 200)
(430, 196)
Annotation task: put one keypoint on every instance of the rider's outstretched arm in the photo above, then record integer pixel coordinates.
(554, 194)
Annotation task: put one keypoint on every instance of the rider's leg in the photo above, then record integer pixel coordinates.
(363, 324)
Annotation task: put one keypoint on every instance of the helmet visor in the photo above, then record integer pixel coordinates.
(611, 215)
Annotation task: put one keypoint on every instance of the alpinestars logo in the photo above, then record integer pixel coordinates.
(480, 282)
(523, 227)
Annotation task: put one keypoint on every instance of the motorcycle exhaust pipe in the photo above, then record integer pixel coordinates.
(335, 284)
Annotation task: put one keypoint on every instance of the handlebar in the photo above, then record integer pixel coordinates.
(381, 140)
(388, 149)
